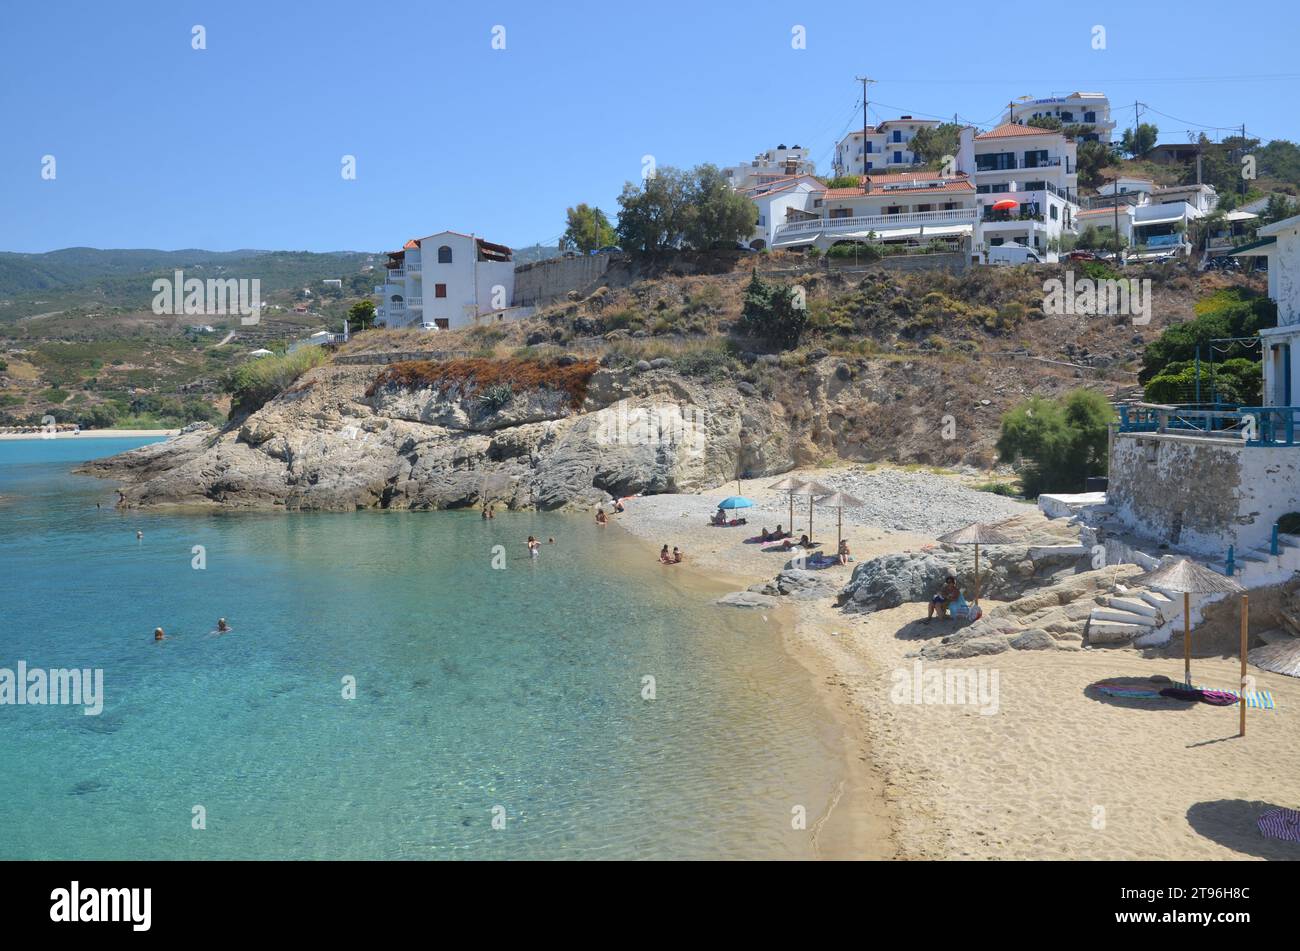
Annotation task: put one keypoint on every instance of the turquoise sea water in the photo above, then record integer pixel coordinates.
(479, 692)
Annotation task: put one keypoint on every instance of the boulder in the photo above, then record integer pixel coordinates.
(747, 599)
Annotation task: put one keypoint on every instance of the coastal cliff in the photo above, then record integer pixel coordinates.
(339, 440)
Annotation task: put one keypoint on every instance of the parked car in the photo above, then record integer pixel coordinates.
(1081, 256)
(428, 325)
(608, 249)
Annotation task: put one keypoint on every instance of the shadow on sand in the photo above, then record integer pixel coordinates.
(1231, 823)
(1095, 692)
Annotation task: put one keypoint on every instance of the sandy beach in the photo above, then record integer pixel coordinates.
(94, 434)
(1036, 770)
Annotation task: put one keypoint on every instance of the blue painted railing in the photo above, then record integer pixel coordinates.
(1253, 425)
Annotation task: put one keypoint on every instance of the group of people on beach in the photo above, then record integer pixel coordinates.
(619, 508)
(221, 628)
(670, 559)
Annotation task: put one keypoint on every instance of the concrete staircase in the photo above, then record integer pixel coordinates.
(1137, 613)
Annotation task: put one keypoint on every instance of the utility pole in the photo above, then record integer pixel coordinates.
(865, 82)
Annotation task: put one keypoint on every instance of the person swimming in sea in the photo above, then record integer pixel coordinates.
(601, 519)
(534, 546)
(222, 626)
(158, 634)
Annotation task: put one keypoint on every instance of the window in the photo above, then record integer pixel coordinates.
(442, 323)
(1090, 117)
(898, 136)
(870, 146)
(817, 202)
(1036, 159)
(1039, 186)
(1055, 213)
(444, 256)
(440, 290)
(762, 220)
(924, 207)
(871, 165)
(898, 157)
(839, 212)
(996, 162)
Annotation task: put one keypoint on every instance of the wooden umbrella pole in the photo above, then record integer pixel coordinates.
(792, 511)
(1187, 638)
(839, 529)
(810, 501)
(977, 573)
(1241, 695)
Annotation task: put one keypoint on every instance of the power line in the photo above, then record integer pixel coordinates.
(966, 81)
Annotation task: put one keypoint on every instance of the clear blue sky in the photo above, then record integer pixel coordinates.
(239, 145)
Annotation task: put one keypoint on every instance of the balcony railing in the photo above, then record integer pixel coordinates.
(883, 223)
(1249, 425)
(396, 273)
(415, 302)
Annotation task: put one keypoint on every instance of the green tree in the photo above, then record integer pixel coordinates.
(933, 144)
(361, 315)
(1045, 122)
(1278, 207)
(773, 313)
(1092, 157)
(718, 215)
(654, 216)
(1138, 143)
(1056, 444)
(1239, 380)
(587, 229)
(1232, 312)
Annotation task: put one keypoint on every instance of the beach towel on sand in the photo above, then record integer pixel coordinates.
(1280, 824)
(1218, 698)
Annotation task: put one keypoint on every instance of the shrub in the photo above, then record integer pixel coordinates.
(481, 375)
(770, 314)
(1057, 443)
(496, 396)
(255, 383)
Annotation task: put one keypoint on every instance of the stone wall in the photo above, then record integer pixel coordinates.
(540, 282)
(1202, 494)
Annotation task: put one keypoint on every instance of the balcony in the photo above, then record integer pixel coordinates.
(912, 221)
(415, 303)
(396, 273)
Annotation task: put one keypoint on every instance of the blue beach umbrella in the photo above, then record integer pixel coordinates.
(735, 502)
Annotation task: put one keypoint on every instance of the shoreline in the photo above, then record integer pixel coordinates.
(92, 434)
(861, 821)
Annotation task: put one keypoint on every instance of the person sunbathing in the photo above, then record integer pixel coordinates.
(719, 518)
(765, 535)
(946, 596)
(843, 553)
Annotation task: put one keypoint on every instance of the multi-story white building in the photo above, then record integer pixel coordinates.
(781, 202)
(887, 147)
(910, 207)
(448, 280)
(767, 167)
(1152, 220)
(1036, 169)
(1088, 109)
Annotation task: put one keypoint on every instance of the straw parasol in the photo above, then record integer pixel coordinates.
(812, 490)
(978, 533)
(1281, 657)
(840, 500)
(1190, 578)
(790, 485)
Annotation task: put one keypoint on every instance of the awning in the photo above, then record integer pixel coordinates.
(941, 230)
(1255, 248)
(882, 234)
(1143, 222)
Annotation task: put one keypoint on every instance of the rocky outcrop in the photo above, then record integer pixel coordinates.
(328, 445)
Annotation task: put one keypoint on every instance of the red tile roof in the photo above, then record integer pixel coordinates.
(1008, 129)
(950, 186)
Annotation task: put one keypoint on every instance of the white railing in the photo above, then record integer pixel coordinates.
(415, 302)
(396, 307)
(396, 273)
(880, 222)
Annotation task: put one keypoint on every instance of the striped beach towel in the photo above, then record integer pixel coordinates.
(1260, 700)
(1281, 824)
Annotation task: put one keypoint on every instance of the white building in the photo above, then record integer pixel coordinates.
(767, 167)
(1035, 168)
(910, 207)
(887, 148)
(1279, 244)
(780, 202)
(1088, 109)
(1152, 220)
(449, 280)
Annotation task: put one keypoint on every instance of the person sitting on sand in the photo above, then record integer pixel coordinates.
(779, 534)
(601, 519)
(946, 596)
(664, 557)
(677, 556)
(844, 551)
(619, 508)
(719, 518)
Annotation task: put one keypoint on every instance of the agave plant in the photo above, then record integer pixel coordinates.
(495, 397)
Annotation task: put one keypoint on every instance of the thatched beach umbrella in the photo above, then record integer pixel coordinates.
(790, 485)
(1190, 578)
(840, 500)
(1281, 657)
(977, 534)
(814, 490)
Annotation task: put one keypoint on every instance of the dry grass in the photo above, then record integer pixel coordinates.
(483, 373)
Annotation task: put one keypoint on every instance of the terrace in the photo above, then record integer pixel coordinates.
(1254, 426)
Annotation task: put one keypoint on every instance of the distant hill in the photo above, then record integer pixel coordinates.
(94, 278)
